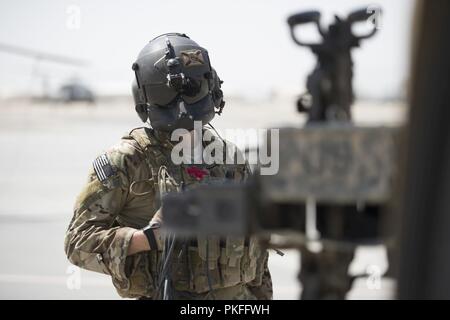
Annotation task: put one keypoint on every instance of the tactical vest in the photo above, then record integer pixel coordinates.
(204, 263)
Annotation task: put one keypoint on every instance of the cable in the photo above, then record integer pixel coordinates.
(167, 254)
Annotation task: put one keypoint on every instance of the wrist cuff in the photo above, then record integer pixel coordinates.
(148, 231)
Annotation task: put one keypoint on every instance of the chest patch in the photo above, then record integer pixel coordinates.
(103, 168)
(197, 173)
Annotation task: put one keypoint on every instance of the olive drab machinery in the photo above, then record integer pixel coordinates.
(330, 84)
(334, 181)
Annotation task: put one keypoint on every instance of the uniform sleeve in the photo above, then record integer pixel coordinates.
(93, 241)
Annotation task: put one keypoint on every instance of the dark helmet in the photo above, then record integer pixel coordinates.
(175, 84)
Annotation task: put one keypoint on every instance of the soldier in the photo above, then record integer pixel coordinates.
(116, 227)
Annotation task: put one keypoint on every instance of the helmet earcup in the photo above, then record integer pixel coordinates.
(216, 91)
(139, 102)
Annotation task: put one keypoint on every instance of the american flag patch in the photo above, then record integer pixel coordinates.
(103, 168)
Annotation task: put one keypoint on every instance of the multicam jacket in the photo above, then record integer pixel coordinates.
(122, 195)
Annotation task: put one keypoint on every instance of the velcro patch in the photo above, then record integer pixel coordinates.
(103, 168)
(192, 58)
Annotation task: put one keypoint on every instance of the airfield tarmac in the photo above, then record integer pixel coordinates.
(46, 151)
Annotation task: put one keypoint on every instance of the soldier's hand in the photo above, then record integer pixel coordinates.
(149, 238)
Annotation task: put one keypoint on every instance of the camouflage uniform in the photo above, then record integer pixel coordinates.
(124, 196)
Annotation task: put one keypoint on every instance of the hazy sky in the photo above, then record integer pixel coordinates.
(248, 41)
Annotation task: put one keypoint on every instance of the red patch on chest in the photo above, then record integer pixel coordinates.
(197, 173)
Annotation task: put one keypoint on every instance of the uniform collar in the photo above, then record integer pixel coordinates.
(164, 138)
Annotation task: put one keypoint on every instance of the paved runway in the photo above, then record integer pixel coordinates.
(46, 150)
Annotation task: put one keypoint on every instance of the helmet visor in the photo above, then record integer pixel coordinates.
(163, 96)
